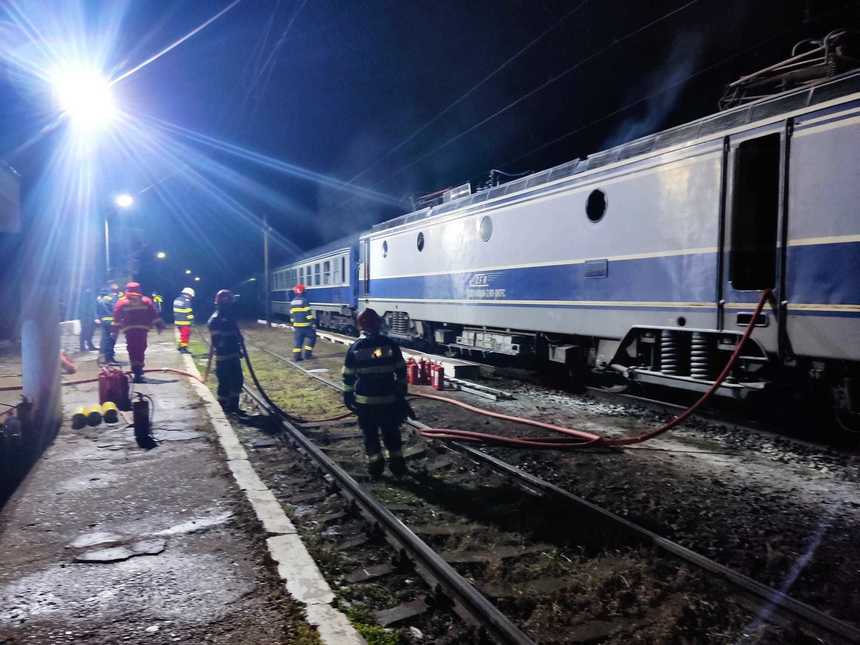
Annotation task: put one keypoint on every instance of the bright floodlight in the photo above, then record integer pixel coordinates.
(187, 271)
(124, 200)
(161, 255)
(197, 278)
(85, 96)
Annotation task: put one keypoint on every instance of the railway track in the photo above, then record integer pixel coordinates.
(553, 499)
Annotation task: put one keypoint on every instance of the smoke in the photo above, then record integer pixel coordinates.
(663, 86)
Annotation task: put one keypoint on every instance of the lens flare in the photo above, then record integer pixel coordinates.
(84, 95)
(123, 200)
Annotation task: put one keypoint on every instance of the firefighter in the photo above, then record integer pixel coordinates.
(104, 309)
(302, 317)
(374, 384)
(87, 316)
(183, 317)
(227, 347)
(135, 315)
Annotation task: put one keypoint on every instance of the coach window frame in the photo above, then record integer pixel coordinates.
(326, 273)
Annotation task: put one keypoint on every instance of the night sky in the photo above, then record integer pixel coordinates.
(401, 98)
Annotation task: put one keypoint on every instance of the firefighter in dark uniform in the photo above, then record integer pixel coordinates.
(374, 384)
(227, 349)
(302, 317)
(104, 309)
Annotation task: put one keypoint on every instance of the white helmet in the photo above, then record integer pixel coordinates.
(188, 291)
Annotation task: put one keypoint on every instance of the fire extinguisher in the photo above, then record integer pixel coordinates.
(411, 371)
(142, 422)
(439, 377)
(423, 372)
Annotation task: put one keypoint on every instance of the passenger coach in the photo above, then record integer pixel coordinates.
(329, 274)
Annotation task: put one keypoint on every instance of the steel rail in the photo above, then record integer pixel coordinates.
(471, 604)
(773, 599)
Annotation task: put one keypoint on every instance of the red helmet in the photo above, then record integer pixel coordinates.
(369, 320)
(133, 287)
(224, 297)
(299, 289)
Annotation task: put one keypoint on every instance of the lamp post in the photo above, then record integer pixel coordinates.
(123, 201)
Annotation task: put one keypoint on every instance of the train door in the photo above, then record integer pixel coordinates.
(363, 268)
(754, 222)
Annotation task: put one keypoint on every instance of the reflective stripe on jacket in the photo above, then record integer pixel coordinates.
(135, 312)
(183, 313)
(375, 371)
(104, 307)
(301, 313)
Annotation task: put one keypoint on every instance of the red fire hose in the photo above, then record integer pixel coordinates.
(578, 438)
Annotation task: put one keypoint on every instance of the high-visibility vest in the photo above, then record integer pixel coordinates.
(183, 313)
(301, 313)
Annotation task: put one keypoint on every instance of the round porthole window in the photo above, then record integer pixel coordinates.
(595, 207)
(485, 228)
(420, 242)
(385, 248)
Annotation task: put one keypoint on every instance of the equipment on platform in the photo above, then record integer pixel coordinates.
(79, 418)
(110, 413)
(94, 415)
(113, 386)
(141, 421)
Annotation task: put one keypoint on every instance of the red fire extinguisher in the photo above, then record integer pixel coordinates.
(113, 386)
(438, 377)
(411, 371)
(423, 372)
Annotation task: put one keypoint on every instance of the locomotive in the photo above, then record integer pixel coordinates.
(645, 260)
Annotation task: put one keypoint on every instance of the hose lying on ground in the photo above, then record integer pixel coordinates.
(571, 438)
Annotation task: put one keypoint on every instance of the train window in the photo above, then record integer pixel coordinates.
(385, 248)
(485, 228)
(327, 272)
(420, 242)
(317, 274)
(755, 213)
(343, 277)
(301, 275)
(595, 206)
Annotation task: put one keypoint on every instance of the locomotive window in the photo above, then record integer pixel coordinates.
(420, 242)
(385, 248)
(755, 212)
(485, 228)
(595, 207)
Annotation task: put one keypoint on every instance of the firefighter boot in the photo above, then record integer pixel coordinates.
(397, 464)
(375, 465)
(138, 375)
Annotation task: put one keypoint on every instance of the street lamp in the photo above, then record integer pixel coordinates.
(122, 201)
(161, 255)
(197, 278)
(83, 94)
(187, 271)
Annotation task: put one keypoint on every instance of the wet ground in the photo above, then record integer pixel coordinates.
(108, 543)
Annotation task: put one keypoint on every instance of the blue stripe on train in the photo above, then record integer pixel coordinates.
(687, 278)
(818, 274)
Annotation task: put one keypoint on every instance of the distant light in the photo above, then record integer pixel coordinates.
(85, 96)
(187, 271)
(161, 255)
(123, 200)
(197, 278)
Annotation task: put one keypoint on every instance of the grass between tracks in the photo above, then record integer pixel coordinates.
(292, 390)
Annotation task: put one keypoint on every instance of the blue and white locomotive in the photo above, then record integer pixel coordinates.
(646, 259)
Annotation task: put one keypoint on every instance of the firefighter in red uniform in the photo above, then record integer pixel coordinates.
(135, 315)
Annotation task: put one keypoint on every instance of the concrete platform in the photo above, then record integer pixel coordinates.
(108, 543)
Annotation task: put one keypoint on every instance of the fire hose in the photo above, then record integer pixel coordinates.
(571, 438)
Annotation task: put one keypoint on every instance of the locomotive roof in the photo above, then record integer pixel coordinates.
(710, 125)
